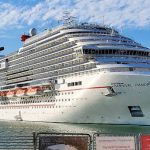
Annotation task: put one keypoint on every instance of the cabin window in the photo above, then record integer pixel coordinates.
(75, 83)
(80, 83)
(93, 51)
(110, 51)
(134, 52)
(96, 51)
(103, 52)
(131, 69)
(114, 51)
(106, 52)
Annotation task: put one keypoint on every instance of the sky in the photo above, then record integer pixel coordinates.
(130, 17)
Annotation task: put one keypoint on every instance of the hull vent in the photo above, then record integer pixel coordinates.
(136, 111)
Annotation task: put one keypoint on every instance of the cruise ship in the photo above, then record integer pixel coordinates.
(76, 73)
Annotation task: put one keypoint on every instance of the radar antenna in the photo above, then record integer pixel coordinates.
(112, 31)
(68, 19)
(103, 20)
(121, 29)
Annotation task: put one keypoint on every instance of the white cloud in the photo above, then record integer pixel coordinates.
(9, 15)
(30, 15)
(135, 13)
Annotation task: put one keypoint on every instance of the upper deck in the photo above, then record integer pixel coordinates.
(69, 50)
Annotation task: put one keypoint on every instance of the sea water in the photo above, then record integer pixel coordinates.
(19, 135)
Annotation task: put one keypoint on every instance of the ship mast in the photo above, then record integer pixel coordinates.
(67, 19)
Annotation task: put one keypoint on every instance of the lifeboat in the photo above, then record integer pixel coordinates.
(21, 92)
(3, 93)
(34, 91)
(11, 93)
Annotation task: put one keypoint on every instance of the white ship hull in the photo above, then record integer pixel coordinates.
(90, 102)
(79, 73)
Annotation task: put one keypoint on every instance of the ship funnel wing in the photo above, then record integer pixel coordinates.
(1, 48)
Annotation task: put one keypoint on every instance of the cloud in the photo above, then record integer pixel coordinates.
(9, 15)
(135, 13)
(31, 15)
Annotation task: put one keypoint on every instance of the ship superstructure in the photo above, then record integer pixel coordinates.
(81, 73)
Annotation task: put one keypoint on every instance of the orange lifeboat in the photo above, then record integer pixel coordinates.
(3, 93)
(21, 92)
(11, 93)
(34, 91)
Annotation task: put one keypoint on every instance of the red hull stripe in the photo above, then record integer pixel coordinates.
(96, 87)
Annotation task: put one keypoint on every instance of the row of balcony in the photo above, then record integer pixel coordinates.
(35, 69)
(53, 73)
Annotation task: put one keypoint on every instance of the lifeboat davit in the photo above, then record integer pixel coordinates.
(21, 92)
(46, 88)
(11, 93)
(34, 91)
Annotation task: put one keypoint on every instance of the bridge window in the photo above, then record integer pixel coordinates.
(115, 52)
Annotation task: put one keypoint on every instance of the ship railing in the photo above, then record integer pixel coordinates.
(63, 71)
(135, 58)
(43, 58)
(21, 66)
(42, 47)
(47, 87)
(17, 142)
(48, 44)
(42, 140)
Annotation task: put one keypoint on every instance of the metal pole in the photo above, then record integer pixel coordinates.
(34, 140)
